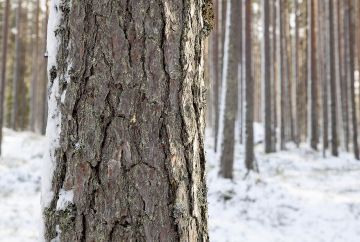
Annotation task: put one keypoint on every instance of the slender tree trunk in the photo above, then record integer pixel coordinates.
(343, 38)
(216, 61)
(338, 71)
(312, 79)
(323, 69)
(266, 78)
(43, 107)
(249, 87)
(273, 69)
(35, 69)
(350, 68)
(281, 79)
(331, 79)
(18, 75)
(3, 65)
(231, 101)
(126, 121)
(296, 77)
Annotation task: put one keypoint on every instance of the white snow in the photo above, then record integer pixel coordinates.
(20, 168)
(54, 116)
(297, 197)
(65, 199)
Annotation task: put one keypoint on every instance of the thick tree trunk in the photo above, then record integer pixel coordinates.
(3, 65)
(266, 77)
(126, 121)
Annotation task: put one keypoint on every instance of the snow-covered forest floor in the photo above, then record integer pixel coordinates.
(297, 197)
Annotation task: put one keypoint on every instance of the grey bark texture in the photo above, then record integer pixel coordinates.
(132, 121)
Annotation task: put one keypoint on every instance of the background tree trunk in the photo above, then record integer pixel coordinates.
(249, 88)
(331, 79)
(280, 76)
(3, 65)
(231, 101)
(312, 78)
(266, 78)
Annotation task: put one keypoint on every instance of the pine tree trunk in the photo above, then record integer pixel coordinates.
(126, 121)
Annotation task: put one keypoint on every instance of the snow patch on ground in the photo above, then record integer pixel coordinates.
(298, 196)
(20, 169)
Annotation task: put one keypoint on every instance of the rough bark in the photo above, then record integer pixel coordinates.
(130, 99)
